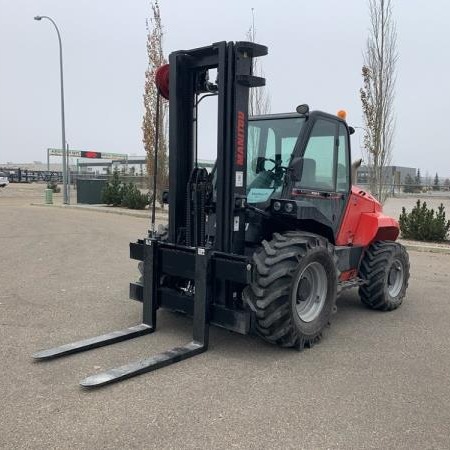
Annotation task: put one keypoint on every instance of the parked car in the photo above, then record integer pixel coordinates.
(3, 179)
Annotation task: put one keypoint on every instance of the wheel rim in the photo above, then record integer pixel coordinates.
(396, 276)
(311, 291)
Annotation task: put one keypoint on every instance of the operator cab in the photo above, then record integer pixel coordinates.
(275, 142)
(302, 158)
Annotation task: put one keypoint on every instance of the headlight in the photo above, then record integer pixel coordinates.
(276, 206)
(289, 207)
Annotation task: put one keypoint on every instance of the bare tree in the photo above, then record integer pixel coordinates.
(259, 99)
(155, 59)
(378, 94)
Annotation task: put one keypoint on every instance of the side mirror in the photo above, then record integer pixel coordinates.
(296, 169)
(355, 166)
(165, 197)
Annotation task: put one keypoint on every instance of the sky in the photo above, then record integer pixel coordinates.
(315, 57)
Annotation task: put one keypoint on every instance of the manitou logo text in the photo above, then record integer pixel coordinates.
(240, 138)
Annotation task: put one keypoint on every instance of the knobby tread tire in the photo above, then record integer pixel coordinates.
(374, 269)
(275, 266)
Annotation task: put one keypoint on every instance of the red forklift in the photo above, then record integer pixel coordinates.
(267, 241)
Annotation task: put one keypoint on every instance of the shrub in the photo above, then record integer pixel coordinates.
(424, 224)
(117, 193)
(124, 194)
(132, 197)
(112, 193)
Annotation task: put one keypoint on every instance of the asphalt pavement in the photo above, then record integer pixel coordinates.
(376, 380)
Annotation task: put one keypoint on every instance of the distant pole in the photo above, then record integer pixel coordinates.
(253, 24)
(63, 124)
(68, 173)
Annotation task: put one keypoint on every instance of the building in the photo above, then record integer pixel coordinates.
(393, 175)
(133, 166)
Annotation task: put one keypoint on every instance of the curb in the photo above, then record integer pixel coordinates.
(145, 215)
(427, 248)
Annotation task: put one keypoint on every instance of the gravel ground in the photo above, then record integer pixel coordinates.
(377, 380)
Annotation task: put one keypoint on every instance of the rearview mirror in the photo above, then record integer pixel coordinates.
(355, 166)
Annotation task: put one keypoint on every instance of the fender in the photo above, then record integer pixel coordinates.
(375, 227)
(364, 222)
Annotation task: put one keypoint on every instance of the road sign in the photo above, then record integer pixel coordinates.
(93, 155)
(87, 154)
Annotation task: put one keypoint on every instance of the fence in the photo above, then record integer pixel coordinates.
(31, 176)
(141, 181)
(397, 190)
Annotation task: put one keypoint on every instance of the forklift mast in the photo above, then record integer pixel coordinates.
(188, 80)
(213, 274)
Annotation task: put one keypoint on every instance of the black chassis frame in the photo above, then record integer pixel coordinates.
(216, 272)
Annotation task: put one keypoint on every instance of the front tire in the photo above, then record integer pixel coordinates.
(385, 269)
(294, 290)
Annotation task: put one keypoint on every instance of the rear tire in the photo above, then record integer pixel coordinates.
(294, 290)
(385, 268)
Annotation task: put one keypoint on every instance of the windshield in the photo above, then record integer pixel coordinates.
(269, 149)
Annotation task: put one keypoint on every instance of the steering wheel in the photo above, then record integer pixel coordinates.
(277, 163)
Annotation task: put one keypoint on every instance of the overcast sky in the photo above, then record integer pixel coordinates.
(315, 57)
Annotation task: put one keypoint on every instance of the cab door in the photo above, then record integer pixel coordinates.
(325, 179)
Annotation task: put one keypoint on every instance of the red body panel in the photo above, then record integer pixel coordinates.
(364, 221)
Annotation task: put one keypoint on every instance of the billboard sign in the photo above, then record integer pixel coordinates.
(87, 154)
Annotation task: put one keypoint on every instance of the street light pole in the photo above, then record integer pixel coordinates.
(63, 124)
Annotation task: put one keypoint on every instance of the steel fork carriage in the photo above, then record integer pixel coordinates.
(201, 265)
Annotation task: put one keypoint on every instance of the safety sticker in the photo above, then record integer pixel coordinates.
(239, 179)
(236, 223)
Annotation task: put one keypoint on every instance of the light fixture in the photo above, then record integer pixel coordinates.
(303, 110)
(289, 207)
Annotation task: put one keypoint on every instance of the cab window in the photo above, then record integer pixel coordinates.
(318, 158)
(343, 164)
(269, 149)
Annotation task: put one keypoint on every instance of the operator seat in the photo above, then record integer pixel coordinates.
(308, 173)
(342, 182)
